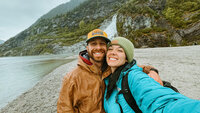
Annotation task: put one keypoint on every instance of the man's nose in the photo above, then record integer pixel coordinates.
(98, 46)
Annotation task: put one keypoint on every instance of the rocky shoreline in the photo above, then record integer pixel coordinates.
(42, 98)
(178, 65)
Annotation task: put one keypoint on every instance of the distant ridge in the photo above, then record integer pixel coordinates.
(61, 9)
(1, 41)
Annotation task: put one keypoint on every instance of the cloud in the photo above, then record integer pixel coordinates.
(17, 15)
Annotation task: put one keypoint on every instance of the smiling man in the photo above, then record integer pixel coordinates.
(83, 88)
(97, 45)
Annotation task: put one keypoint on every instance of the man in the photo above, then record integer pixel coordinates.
(83, 88)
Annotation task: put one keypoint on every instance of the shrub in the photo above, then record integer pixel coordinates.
(189, 6)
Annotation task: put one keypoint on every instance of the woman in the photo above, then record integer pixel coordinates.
(149, 95)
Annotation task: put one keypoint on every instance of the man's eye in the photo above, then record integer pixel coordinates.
(103, 43)
(93, 43)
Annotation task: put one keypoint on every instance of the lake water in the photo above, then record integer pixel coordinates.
(18, 74)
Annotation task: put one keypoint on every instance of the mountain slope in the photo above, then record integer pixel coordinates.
(147, 23)
(51, 35)
(62, 9)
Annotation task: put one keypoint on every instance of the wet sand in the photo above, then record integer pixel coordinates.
(178, 65)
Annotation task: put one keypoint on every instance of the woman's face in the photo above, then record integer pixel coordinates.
(115, 56)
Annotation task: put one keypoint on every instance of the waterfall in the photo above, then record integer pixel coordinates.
(110, 27)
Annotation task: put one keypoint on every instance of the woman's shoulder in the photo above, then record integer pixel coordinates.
(135, 71)
(134, 68)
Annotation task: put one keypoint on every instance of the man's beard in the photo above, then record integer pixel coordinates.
(96, 59)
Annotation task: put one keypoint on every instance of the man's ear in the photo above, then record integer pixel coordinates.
(87, 48)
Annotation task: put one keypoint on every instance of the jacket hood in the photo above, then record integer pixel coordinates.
(85, 57)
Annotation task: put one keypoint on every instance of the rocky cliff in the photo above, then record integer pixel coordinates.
(160, 23)
(147, 23)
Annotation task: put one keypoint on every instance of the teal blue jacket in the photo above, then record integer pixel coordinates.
(150, 96)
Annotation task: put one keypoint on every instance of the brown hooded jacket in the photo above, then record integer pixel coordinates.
(83, 89)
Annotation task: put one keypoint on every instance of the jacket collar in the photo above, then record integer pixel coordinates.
(128, 67)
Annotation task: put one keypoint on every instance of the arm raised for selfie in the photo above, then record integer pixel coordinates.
(152, 97)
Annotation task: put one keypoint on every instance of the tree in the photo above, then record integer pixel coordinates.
(81, 24)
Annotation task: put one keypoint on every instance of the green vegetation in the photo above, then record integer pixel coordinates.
(81, 24)
(41, 49)
(135, 7)
(180, 15)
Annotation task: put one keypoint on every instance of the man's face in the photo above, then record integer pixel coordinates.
(97, 49)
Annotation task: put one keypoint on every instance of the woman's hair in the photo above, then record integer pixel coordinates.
(104, 65)
(113, 78)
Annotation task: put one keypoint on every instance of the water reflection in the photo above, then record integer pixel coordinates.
(18, 74)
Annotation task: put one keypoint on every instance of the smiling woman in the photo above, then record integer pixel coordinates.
(115, 57)
(147, 94)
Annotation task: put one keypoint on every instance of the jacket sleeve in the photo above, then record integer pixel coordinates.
(152, 97)
(153, 74)
(67, 101)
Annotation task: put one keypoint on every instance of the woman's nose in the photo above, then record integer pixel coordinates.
(113, 52)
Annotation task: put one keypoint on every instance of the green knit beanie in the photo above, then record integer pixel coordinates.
(126, 44)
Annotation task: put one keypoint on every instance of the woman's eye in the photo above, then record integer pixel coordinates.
(120, 50)
(110, 49)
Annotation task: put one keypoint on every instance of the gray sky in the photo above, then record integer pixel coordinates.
(17, 15)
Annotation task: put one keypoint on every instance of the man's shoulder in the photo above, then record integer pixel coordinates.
(75, 73)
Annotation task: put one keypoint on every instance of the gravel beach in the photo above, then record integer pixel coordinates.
(178, 65)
